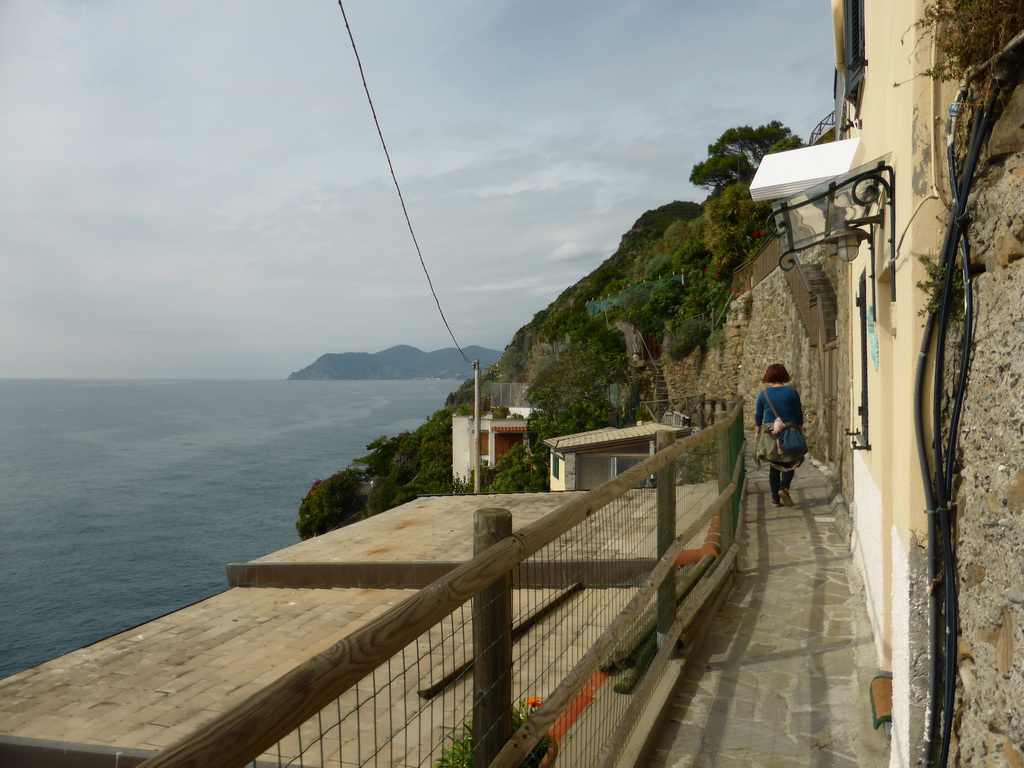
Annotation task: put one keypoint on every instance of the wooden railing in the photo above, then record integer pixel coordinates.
(766, 260)
(807, 305)
(242, 734)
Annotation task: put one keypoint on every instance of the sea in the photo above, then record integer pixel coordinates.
(122, 501)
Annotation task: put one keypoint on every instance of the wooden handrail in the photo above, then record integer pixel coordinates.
(805, 300)
(530, 734)
(242, 734)
(687, 615)
(810, 308)
(766, 260)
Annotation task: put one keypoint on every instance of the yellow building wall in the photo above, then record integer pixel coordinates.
(902, 114)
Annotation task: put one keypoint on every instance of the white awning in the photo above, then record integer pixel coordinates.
(785, 174)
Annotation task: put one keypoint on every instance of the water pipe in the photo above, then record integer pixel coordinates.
(712, 546)
(572, 713)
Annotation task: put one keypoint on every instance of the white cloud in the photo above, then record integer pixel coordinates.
(571, 251)
(198, 189)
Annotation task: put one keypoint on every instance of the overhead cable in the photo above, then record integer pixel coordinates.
(398, 188)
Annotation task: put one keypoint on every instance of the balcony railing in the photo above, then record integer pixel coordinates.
(826, 125)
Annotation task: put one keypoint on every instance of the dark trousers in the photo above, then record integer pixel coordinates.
(778, 479)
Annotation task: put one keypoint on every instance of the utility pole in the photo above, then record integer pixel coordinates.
(476, 426)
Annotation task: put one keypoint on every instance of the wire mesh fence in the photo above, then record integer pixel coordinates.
(510, 394)
(553, 649)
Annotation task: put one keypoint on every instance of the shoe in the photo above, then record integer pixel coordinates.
(786, 498)
(776, 503)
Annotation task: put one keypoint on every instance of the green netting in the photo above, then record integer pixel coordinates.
(630, 297)
(596, 306)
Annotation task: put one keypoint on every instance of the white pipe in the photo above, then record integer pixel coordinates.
(476, 426)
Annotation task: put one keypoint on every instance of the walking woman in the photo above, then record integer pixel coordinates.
(778, 400)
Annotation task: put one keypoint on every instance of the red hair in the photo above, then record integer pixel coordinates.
(776, 374)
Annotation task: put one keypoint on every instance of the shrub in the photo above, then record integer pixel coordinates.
(331, 503)
(519, 470)
(970, 32)
(935, 286)
(571, 394)
(691, 334)
(734, 224)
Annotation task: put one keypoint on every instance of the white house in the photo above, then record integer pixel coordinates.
(497, 437)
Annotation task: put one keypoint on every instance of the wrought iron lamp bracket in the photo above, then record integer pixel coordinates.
(862, 188)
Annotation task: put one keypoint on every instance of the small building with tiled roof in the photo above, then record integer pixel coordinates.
(584, 460)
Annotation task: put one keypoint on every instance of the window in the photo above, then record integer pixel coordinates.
(556, 462)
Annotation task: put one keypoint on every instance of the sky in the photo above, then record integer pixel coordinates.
(196, 189)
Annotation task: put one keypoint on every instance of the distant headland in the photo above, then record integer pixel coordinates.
(401, 362)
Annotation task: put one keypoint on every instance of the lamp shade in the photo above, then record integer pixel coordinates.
(848, 243)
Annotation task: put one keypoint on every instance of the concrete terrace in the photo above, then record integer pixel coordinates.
(781, 681)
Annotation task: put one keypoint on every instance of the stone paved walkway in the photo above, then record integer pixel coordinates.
(782, 679)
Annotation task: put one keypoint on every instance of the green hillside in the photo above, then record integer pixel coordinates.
(670, 280)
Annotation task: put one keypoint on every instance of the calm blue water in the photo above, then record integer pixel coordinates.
(121, 501)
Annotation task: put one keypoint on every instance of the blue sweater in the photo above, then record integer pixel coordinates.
(786, 399)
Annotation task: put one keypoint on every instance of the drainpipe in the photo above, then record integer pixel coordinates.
(935, 596)
(938, 491)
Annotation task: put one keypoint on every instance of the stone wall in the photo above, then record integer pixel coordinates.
(763, 326)
(990, 487)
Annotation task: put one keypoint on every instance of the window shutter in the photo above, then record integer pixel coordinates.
(853, 38)
(862, 442)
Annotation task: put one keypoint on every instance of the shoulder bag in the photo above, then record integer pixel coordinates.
(790, 440)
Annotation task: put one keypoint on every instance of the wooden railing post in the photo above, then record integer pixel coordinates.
(725, 469)
(734, 443)
(666, 478)
(492, 645)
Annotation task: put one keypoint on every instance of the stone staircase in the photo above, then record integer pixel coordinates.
(821, 290)
(660, 403)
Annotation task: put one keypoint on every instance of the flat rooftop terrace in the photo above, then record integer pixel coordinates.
(148, 687)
